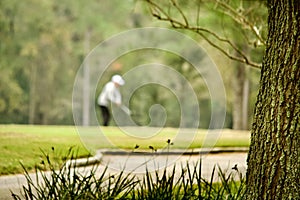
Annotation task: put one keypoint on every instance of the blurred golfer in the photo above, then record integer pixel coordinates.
(110, 94)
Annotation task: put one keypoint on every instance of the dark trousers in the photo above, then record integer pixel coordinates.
(105, 115)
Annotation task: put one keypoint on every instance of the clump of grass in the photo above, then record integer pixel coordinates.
(69, 182)
(188, 184)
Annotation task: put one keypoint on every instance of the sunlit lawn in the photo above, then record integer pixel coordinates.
(25, 143)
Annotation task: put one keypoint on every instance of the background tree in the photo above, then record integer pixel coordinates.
(11, 92)
(273, 160)
(235, 28)
(42, 51)
(40, 55)
(147, 96)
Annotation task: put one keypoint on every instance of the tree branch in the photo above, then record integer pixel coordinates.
(160, 14)
(240, 19)
(181, 12)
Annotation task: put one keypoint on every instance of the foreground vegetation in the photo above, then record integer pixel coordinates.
(25, 141)
(184, 183)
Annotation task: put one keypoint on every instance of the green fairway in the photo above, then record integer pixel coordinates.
(25, 143)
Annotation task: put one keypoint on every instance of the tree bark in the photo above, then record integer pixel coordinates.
(273, 159)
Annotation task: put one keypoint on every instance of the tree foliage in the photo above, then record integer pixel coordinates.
(42, 51)
(42, 46)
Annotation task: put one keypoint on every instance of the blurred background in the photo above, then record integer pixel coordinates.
(43, 44)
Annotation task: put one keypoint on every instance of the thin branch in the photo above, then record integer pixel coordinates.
(200, 31)
(181, 12)
(236, 16)
(197, 29)
(156, 6)
(243, 60)
(198, 13)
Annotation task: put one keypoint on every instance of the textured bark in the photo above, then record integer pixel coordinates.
(273, 160)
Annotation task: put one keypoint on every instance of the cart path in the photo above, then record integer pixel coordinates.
(137, 164)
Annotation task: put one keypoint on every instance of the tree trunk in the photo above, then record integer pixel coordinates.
(246, 92)
(240, 87)
(273, 159)
(32, 95)
(86, 82)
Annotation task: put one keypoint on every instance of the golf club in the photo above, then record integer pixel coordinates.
(126, 110)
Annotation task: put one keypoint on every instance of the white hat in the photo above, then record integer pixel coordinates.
(118, 79)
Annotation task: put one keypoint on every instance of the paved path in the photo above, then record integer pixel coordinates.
(138, 163)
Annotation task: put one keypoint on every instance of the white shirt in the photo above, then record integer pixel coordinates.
(110, 93)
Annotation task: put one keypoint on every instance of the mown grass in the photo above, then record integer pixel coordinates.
(24, 143)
